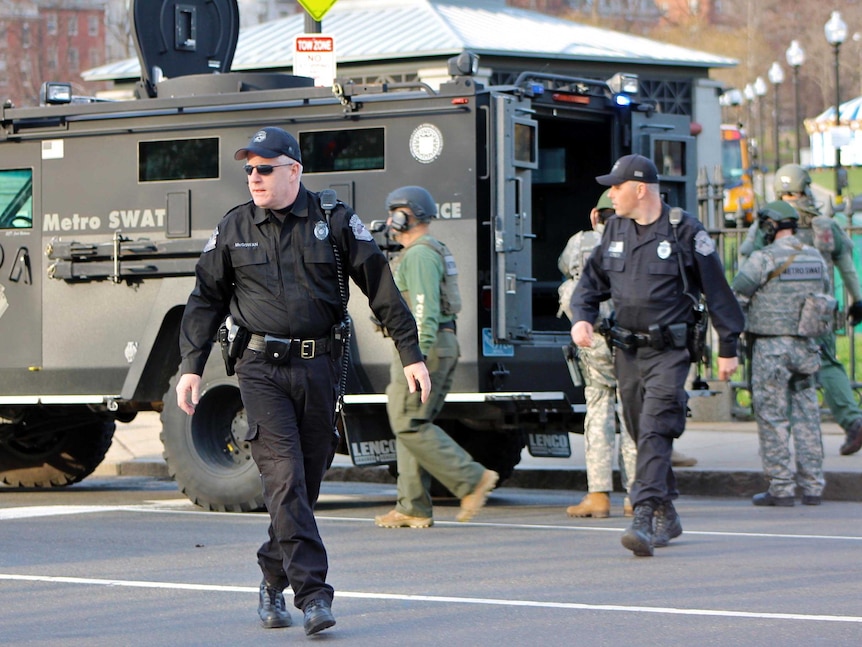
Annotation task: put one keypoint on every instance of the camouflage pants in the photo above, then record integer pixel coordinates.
(600, 424)
(784, 398)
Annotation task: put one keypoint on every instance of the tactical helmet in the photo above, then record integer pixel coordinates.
(605, 201)
(779, 210)
(417, 199)
(791, 178)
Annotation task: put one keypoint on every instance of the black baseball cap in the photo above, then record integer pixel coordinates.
(630, 167)
(271, 142)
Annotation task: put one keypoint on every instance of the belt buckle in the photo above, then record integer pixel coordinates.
(307, 348)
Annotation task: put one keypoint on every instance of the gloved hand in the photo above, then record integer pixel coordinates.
(854, 313)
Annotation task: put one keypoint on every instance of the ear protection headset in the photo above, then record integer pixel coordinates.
(400, 221)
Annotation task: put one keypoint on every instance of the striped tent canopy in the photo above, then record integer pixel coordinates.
(822, 128)
(850, 113)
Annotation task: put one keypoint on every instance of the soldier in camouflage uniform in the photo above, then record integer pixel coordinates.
(793, 185)
(597, 367)
(772, 286)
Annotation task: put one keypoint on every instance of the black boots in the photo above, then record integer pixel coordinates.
(639, 537)
(667, 525)
(854, 438)
(317, 616)
(765, 498)
(653, 526)
(271, 608)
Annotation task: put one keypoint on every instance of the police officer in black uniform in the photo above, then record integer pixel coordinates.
(271, 265)
(654, 262)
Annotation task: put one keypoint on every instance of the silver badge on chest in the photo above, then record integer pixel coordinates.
(663, 250)
(321, 230)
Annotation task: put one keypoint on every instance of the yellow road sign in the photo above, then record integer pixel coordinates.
(316, 8)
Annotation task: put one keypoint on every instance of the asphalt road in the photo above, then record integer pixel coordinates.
(129, 561)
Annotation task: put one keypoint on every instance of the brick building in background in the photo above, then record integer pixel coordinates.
(49, 40)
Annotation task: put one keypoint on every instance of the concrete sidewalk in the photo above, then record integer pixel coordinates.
(728, 463)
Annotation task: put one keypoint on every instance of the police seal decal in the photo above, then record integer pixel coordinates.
(359, 230)
(211, 243)
(426, 143)
(703, 243)
(663, 250)
(321, 230)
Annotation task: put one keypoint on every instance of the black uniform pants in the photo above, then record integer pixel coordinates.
(654, 399)
(290, 410)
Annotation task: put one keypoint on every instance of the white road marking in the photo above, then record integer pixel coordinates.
(726, 613)
(29, 512)
(166, 507)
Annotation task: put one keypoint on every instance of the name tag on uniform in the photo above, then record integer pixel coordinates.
(616, 248)
(451, 267)
(803, 271)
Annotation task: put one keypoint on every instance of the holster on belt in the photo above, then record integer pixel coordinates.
(615, 335)
(233, 339)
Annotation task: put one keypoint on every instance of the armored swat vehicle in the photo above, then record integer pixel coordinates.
(106, 206)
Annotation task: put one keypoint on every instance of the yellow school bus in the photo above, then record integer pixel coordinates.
(737, 175)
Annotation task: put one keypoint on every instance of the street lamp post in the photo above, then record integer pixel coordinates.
(760, 91)
(836, 31)
(731, 99)
(776, 77)
(749, 99)
(795, 58)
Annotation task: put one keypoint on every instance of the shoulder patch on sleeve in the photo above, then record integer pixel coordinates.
(211, 243)
(359, 230)
(703, 243)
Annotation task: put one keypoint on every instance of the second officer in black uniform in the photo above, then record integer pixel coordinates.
(271, 265)
(654, 262)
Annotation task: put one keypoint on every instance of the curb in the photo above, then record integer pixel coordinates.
(153, 468)
(840, 486)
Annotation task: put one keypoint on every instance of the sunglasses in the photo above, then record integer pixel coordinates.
(263, 169)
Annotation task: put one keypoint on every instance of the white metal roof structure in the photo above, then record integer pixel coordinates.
(387, 30)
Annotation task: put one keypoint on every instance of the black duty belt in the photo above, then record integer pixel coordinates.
(447, 325)
(659, 337)
(302, 348)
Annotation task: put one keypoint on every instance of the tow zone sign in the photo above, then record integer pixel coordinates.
(314, 56)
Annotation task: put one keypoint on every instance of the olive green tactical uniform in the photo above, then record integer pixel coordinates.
(424, 449)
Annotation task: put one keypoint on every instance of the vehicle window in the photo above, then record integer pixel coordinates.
(360, 149)
(669, 157)
(16, 199)
(178, 159)
(731, 160)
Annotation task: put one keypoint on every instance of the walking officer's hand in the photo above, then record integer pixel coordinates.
(189, 382)
(417, 374)
(582, 334)
(727, 366)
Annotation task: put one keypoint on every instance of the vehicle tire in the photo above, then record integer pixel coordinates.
(53, 446)
(206, 454)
